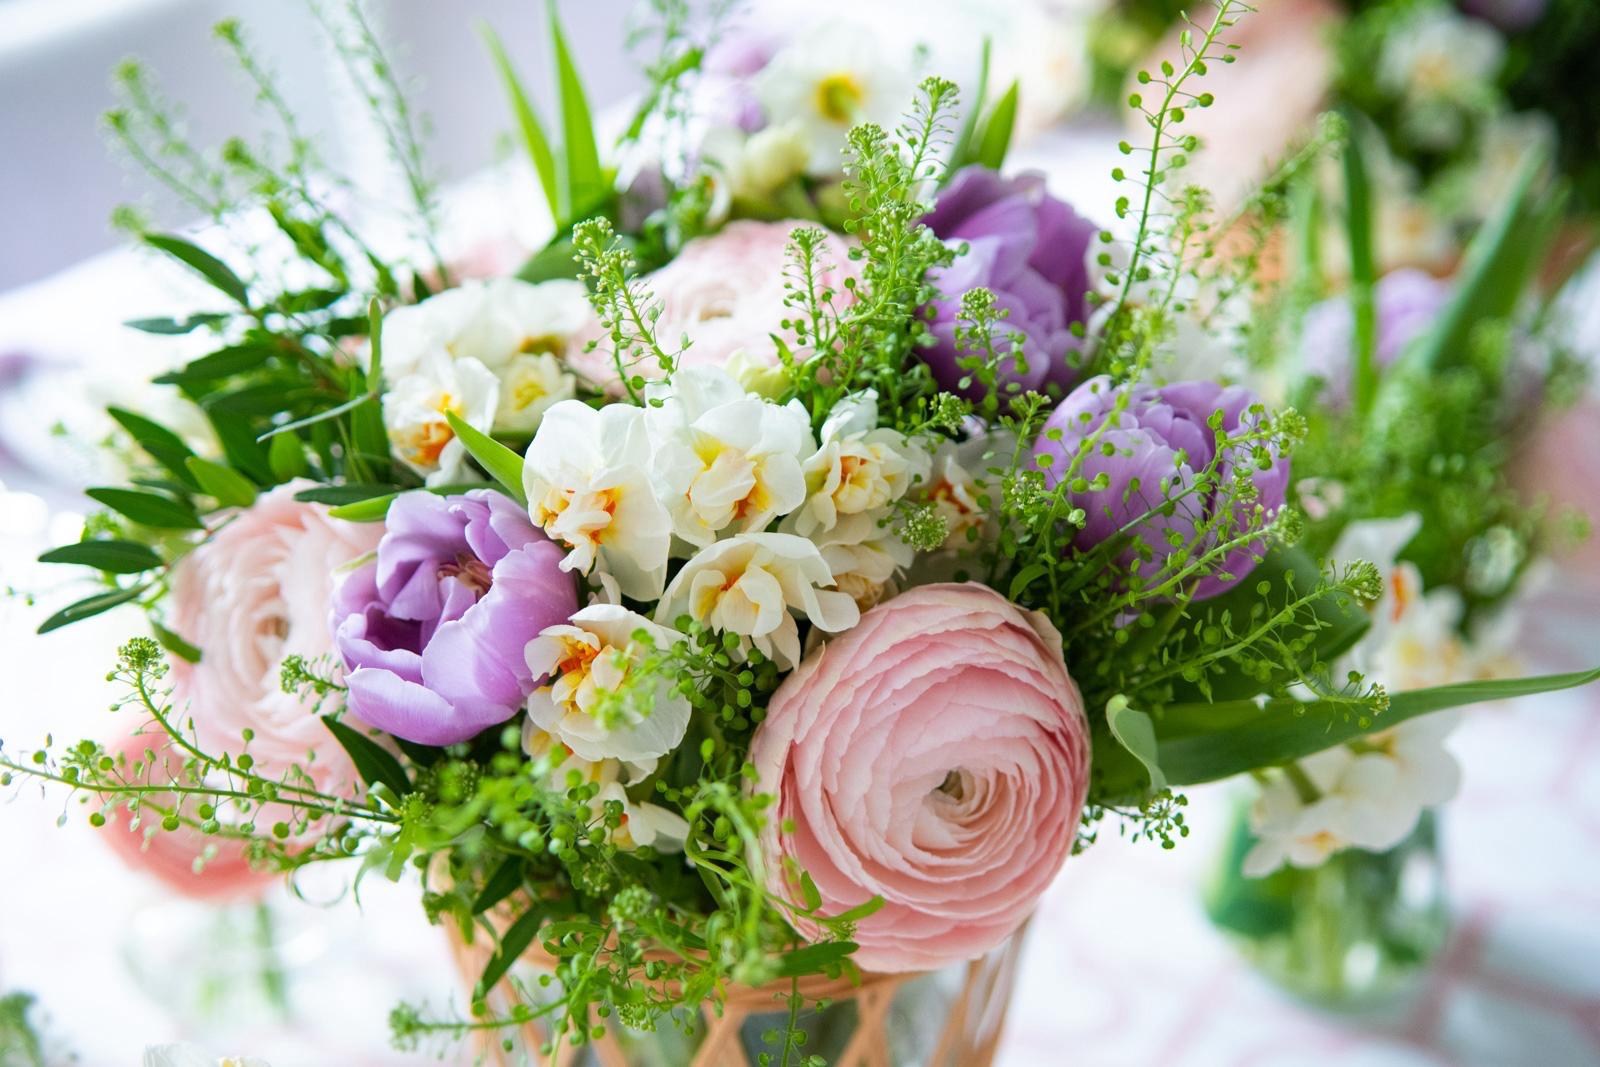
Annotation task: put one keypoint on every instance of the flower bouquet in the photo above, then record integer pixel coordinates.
(748, 607)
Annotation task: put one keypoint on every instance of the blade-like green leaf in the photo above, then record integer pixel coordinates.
(1135, 732)
(813, 959)
(349, 493)
(174, 644)
(164, 446)
(287, 457)
(961, 151)
(1283, 730)
(321, 416)
(506, 879)
(173, 327)
(1363, 274)
(528, 124)
(503, 465)
(585, 180)
(113, 557)
(374, 763)
(996, 139)
(148, 509)
(373, 509)
(513, 943)
(89, 607)
(229, 487)
(202, 263)
(223, 363)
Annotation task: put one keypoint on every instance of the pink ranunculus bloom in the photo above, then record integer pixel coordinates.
(170, 855)
(937, 755)
(253, 594)
(725, 293)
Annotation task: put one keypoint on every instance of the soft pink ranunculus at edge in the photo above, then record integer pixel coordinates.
(256, 592)
(170, 855)
(725, 292)
(936, 755)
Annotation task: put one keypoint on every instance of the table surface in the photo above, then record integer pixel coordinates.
(1121, 967)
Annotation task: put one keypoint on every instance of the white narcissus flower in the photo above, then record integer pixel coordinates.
(521, 333)
(723, 458)
(415, 409)
(181, 1055)
(958, 481)
(643, 824)
(859, 469)
(749, 584)
(1440, 55)
(833, 76)
(587, 479)
(593, 655)
(865, 554)
(753, 166)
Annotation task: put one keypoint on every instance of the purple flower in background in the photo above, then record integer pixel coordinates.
(1157, 446)
(731, 65)
(1407, 301)
(433, 631)
(1032, 251)
(1507, 14)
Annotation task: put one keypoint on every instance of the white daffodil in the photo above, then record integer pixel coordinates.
(959, 481)
(182, 1055)
(750, 584)
(1440, 55)
(723, 458)
(415, 409)
(1428, 774)
(752, 166)
(590, 657)
(643, 824)
(586, 476)
(866, 555)
(522, 333)
(831, 77)
(859, 469)
(1362, 805)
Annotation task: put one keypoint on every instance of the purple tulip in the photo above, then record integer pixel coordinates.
(1152, 453)
(1031, 250)
(433, 631)
(1407, 301)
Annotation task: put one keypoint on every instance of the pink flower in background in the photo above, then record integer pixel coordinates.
(256, 592)
(937, 755)
(725, 293)
(170, 855)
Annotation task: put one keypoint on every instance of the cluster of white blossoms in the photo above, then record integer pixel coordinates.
(493, 353)
(1440, 64)
(1370, 794)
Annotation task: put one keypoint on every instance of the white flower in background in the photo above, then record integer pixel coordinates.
(753, 166)
(415, 409)
(1358, 807)
(749, 584)
(643, 824)
(831, 77)
(722, 457)
(959, 480)
(1440, 55)
(521, 333)
(587, 479)
(1506, 143)
(859, 469)
(182, 1055)
(592, 656)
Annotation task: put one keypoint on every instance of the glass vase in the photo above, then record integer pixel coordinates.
(1358, 932)
(947, 1018)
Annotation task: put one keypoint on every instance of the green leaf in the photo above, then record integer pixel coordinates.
(1249, 736)
(148, 509)
(960, 152)
(1363, 274)
(173, 327)
(585, 180)
(89, 607)
(202, 263)
(506, 879)
(223, 363)
(321, 416)
(113, 557)
(1135, 732)
(813, 959)
(809, 893)
(287, 457)
(349, 493)
(513, 943)
(174, 644)
(372, 509)
(164, 446)
(1026, 577)
(554, 260)
(996, 140)
(228, 486)
(528, 124)
(503, 465)
(239, 446)
(374, 763)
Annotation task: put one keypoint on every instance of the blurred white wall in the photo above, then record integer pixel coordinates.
(59, 182)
